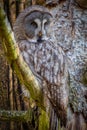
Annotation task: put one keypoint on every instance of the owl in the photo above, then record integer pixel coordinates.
(34, 35)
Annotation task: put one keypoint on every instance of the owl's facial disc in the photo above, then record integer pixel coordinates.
(37, 26)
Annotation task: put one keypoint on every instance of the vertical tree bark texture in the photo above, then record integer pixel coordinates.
(12, 10)
(3, 80)
(4, 95)
(4, 83)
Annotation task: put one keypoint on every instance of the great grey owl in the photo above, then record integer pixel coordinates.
(34, 35)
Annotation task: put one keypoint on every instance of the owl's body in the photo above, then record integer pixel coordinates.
(45, 58)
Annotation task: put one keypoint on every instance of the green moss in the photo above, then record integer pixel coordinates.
(43, 121)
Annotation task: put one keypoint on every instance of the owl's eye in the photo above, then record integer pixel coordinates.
(34, 24)
(47, 23)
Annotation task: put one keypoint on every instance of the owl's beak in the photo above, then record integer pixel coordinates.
(40, 34)
(39, 37)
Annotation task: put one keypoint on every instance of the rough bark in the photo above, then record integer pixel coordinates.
(82, 3)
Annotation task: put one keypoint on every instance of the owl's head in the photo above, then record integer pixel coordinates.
(33, 24)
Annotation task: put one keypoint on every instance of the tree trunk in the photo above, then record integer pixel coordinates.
(4, 95)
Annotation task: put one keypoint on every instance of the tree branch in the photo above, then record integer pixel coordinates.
(15, 59)
(22, 116)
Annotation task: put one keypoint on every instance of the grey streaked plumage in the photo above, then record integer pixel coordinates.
(34, 35)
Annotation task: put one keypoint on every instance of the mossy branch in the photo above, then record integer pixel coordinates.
(22, 116)
(15, 59)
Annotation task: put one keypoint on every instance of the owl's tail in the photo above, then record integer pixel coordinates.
(75, 122)
(55, 122)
